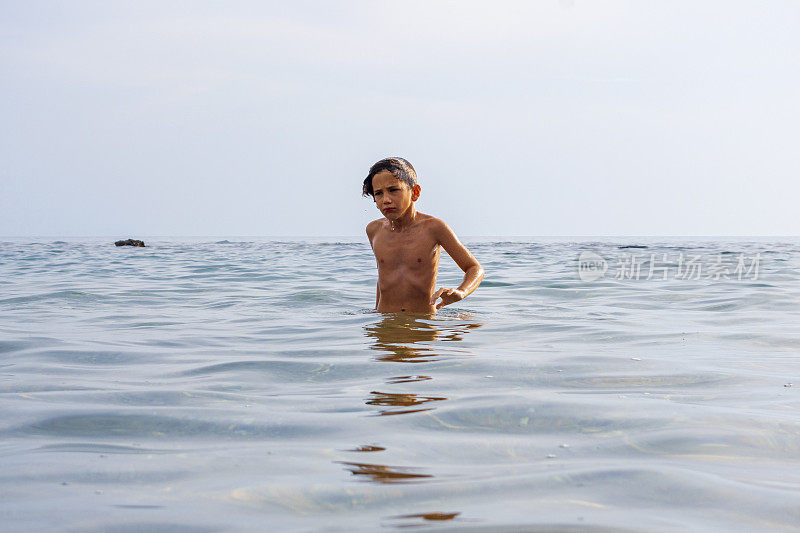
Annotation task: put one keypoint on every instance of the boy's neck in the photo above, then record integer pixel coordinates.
(405, 221)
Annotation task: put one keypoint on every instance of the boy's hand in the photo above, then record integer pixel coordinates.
(448, 296)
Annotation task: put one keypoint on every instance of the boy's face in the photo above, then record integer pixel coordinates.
(392, 196)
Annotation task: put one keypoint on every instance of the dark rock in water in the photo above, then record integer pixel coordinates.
(631, 246)
(130, 242)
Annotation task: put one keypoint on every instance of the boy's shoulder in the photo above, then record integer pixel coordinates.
(429, 219)
(431, 223)
(374, 226)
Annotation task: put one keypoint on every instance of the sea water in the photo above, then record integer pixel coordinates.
(246, 385)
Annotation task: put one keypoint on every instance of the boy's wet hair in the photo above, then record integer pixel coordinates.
(400, 169)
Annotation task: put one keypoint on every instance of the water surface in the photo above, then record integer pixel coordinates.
(245, 385)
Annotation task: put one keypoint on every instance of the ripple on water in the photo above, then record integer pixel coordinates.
(71, 296)
(648, 382)
(292, 370)
(93, 358)
(511, 416)
(94, 447)
(312, 296)
(149, 526)
(117, 425)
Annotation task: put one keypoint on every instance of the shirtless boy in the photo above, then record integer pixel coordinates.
(407, 245)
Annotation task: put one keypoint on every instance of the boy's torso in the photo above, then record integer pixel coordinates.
(408, 261)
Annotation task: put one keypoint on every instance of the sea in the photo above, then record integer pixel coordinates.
(247, 384)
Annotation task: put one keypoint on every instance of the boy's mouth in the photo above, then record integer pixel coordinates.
(388, 210)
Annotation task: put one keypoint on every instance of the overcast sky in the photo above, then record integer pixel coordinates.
(571, 117)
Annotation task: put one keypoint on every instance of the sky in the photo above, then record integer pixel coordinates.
(545, 118)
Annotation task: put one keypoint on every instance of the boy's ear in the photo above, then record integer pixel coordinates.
(415, 192)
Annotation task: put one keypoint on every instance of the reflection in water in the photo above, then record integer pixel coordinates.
(426, 516)
(409, 338)
(385, 474)
(407, 379)
(367, 448)
(400, 400)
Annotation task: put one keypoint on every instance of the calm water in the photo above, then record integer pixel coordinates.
(244, 385)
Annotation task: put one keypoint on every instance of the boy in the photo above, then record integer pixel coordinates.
(407, 243)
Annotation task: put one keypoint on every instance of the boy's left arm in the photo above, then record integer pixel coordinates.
(473, 272)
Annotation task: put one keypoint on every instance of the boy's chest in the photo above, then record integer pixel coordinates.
(395, 249)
